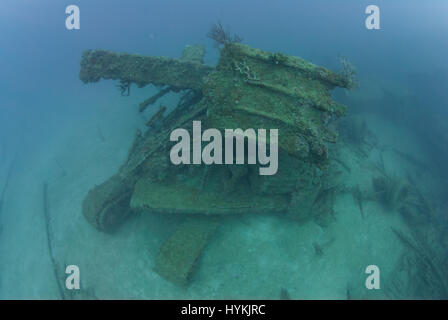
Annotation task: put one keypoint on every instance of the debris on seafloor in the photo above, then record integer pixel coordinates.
(158, 116)
(348, 295)
(423, 265)
(359, 198)
(420, 201)
(284, 294)
(343, 164)
(412, 160)
(78, 294)
(403, 195)
(323, 205)
(354, 130)
(49, 234)
(249, 88)
(179, 255)
(63, 171)
(153, 99)
(82, 294)
(6, 183)
(319, 248)
(391, 191)
(100, 134)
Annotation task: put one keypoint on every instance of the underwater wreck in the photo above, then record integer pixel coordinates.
(248, 88)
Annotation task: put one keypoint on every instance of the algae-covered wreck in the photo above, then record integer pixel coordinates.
(249, 88)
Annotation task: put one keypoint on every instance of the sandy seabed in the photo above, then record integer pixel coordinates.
(250, 256)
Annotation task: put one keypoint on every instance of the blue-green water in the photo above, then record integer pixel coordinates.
(57, 131)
